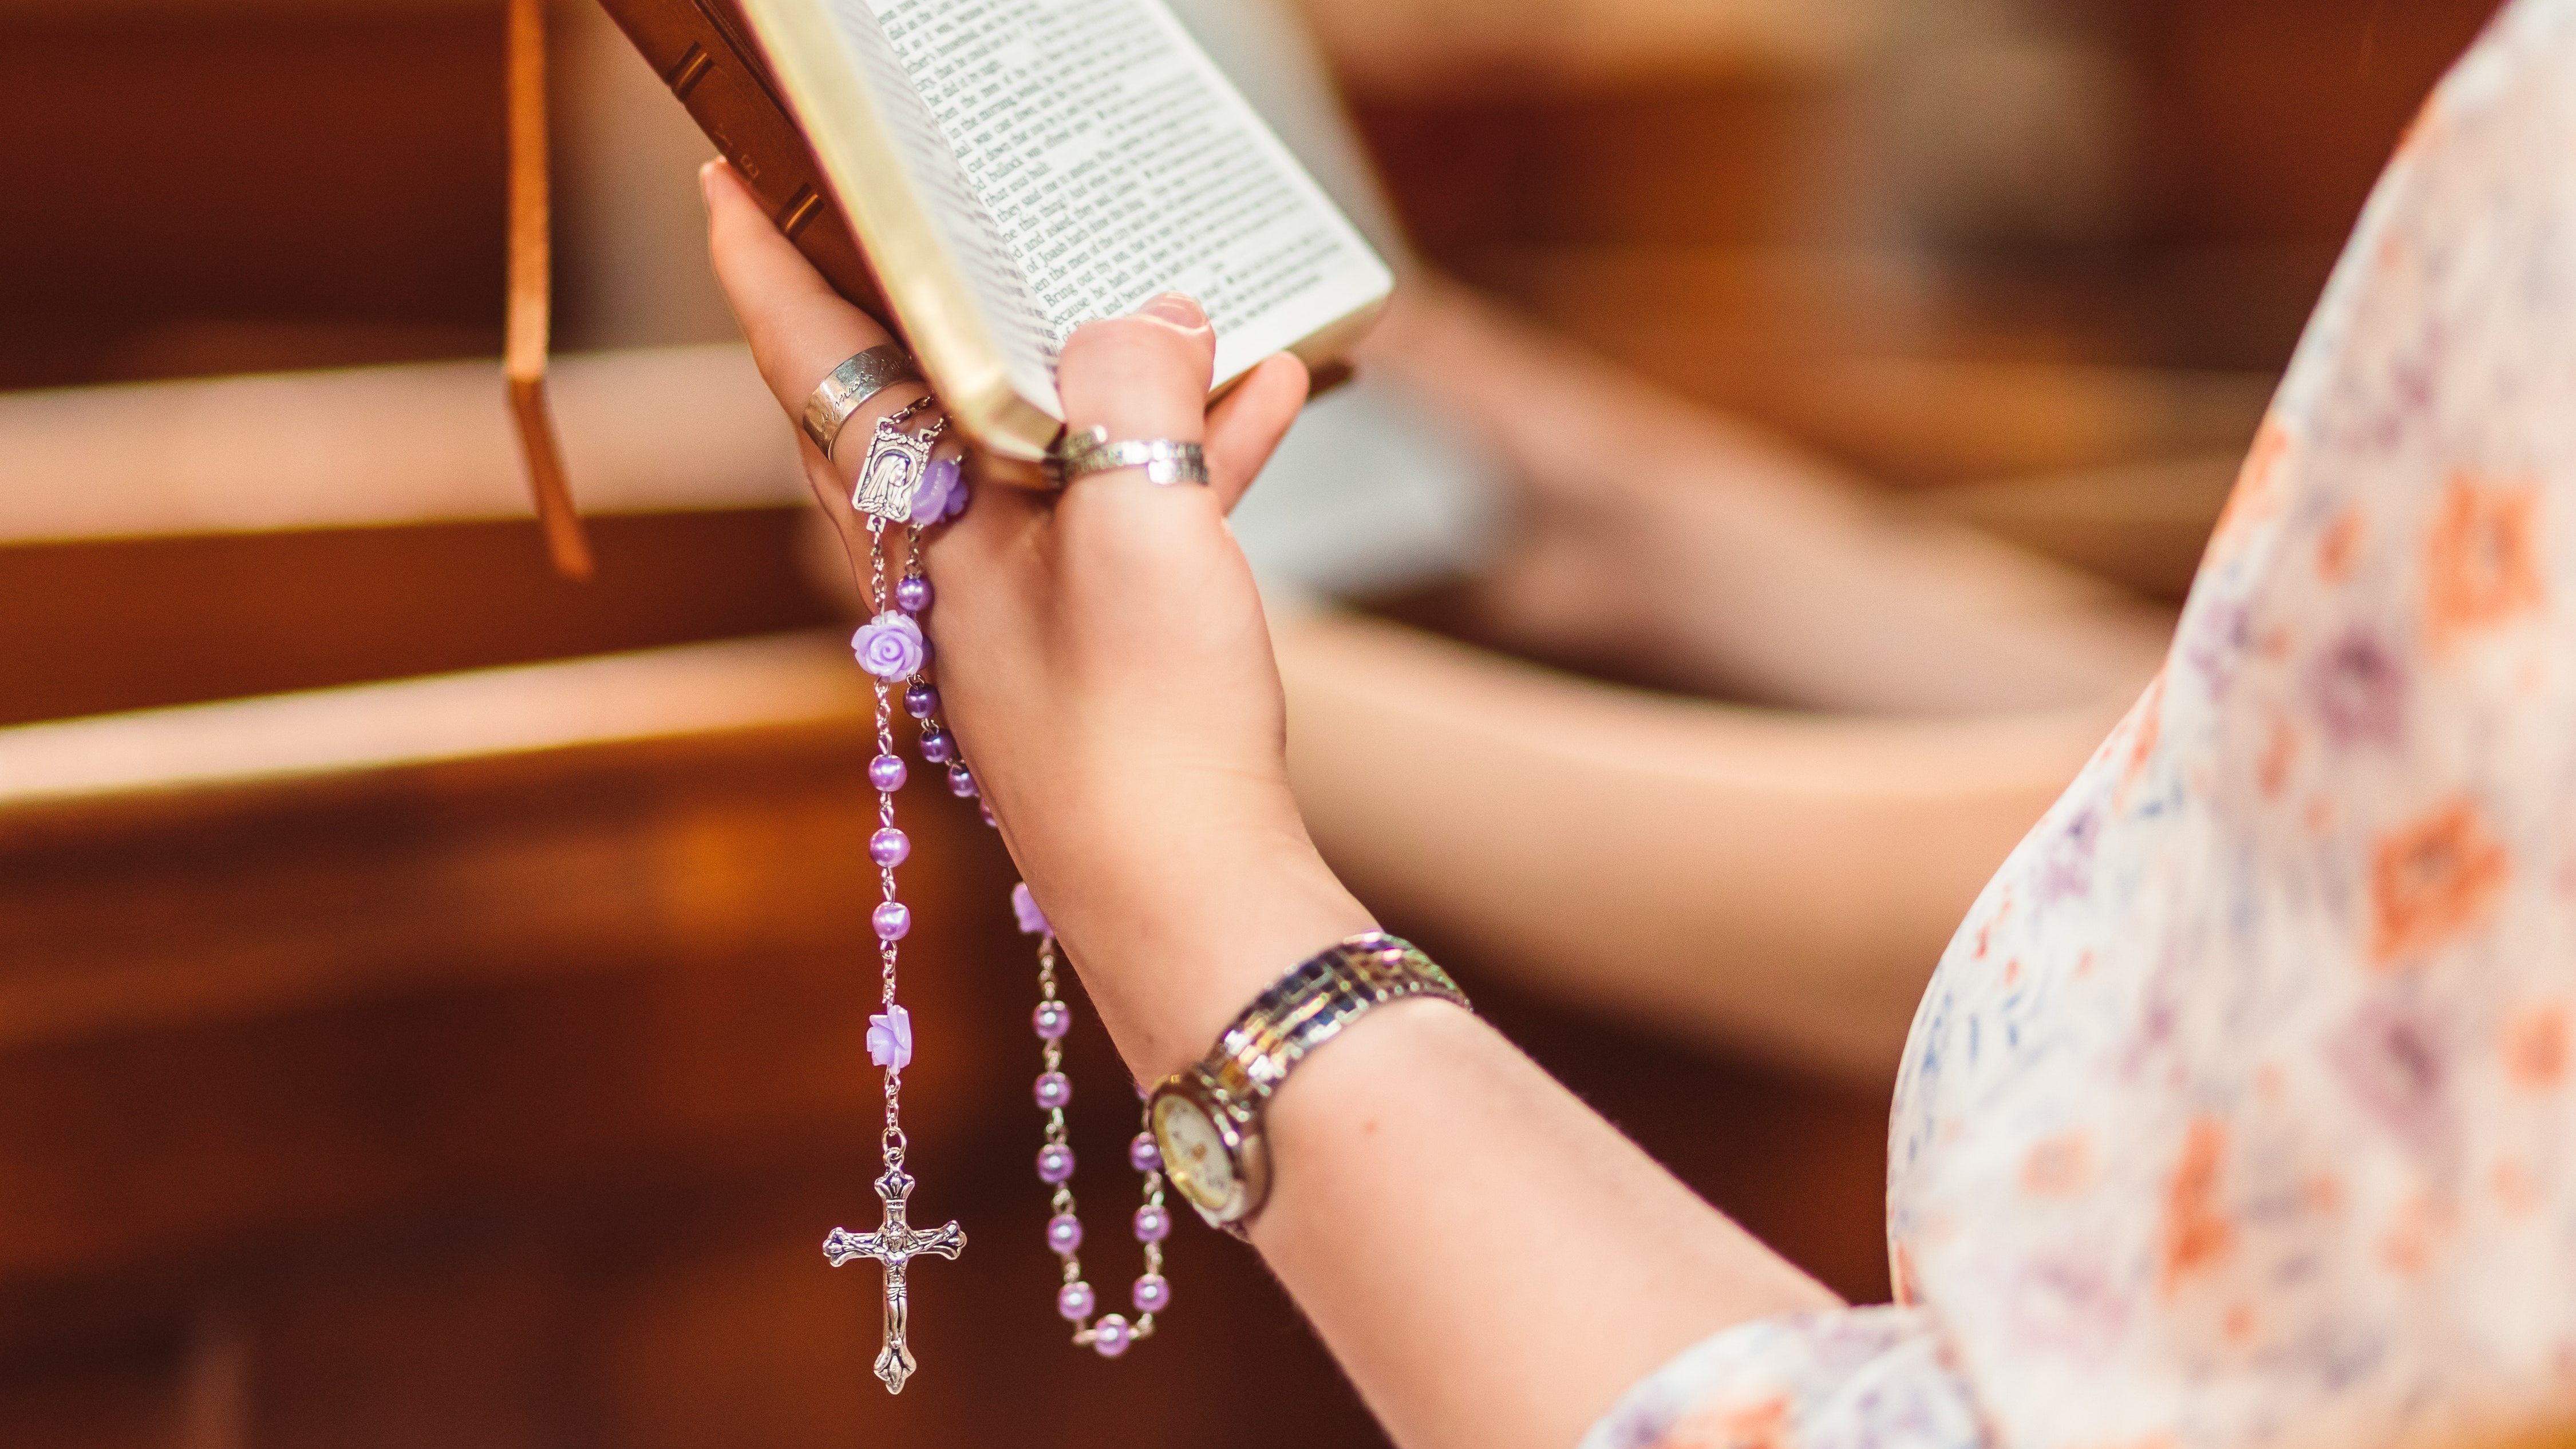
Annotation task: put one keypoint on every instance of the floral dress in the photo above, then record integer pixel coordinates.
(2239, 1111)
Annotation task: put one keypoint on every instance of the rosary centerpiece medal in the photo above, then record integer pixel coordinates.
(897, 462)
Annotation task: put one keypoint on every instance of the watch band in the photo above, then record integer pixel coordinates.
(1299, 1013)
(1313, 1004)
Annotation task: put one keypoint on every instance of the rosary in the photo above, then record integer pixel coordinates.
(903, 491)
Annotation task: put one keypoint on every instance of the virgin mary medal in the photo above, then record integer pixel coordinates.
(892, 472)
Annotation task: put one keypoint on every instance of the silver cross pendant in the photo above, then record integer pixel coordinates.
(894, 1244)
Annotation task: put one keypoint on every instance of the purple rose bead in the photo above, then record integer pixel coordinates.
(889, 646)
(890, 1038)
(912, 593)
(1024, 906)
(889, 847)
(886, 772)
(893, 921)
(956, 500)
(939, 483)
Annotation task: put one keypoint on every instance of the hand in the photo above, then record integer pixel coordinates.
(1102, 656)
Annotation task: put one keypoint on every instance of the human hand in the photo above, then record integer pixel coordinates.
(1102, 656)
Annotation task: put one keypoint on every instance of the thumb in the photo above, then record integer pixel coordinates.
(1141, 376)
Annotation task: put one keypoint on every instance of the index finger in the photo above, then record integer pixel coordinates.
(798, 327)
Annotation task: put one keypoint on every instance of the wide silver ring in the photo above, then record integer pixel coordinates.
(848, 388)
(1165, 460)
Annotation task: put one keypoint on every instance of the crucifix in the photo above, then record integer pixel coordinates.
(894, 1244)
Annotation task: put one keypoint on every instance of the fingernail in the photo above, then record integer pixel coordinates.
(1177, 309)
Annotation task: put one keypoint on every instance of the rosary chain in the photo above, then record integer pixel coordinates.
(1109, 1333)
(1051, 1059)
(893, 1141)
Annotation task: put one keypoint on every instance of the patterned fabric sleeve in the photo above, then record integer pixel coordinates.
(2238, 1114)
(1865, 1378)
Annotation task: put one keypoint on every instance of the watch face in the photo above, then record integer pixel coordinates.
(1194, 1155)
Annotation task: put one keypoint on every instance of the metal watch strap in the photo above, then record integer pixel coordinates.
(1299, 1013)
(1313, 1004)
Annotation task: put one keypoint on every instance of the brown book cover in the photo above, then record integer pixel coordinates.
(702, 50)
(982, 241)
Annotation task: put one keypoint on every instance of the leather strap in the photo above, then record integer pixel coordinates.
(531, 286)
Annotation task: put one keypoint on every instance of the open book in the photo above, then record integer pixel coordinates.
(1014, 168)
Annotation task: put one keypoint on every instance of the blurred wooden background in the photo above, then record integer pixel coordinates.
(501, 1098)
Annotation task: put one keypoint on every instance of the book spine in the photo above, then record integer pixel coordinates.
(705, 54)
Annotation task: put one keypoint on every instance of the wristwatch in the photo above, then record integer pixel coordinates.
(1206, 1121)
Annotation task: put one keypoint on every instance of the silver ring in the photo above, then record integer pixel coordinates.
(1165, 460)
(848, 388)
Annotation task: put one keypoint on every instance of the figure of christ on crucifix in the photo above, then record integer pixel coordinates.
(895, 1245)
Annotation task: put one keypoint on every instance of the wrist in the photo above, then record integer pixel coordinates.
(1169, 960)
(1209, 1121)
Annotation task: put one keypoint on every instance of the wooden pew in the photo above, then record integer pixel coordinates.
(478, 1059)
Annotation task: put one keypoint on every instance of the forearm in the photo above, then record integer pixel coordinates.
(1490, 1261)
(1776, 884)
(1759, 588)
(1704, 555)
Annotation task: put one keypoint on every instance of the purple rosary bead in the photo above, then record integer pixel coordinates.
(1153, 1293)
(1152, 1224)
(1064, 1233)
(912, 593)
(1053, 1090)
(939, 486)
(985, 809)
(1052, 1020)
(1074, 1301)
(1111, 1336)
(1055, 1163)
(889, 847)
(921, 701)
(938, 746)
(886, 772)
(961, 782)
(1143, 1155)
(893, 921)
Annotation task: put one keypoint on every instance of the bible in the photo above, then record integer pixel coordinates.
(986, 175)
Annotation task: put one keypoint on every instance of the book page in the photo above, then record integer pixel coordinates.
(1116, 162)
(985, 262)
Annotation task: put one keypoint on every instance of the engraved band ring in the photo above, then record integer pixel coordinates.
(848, 388)
(1165, 460)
